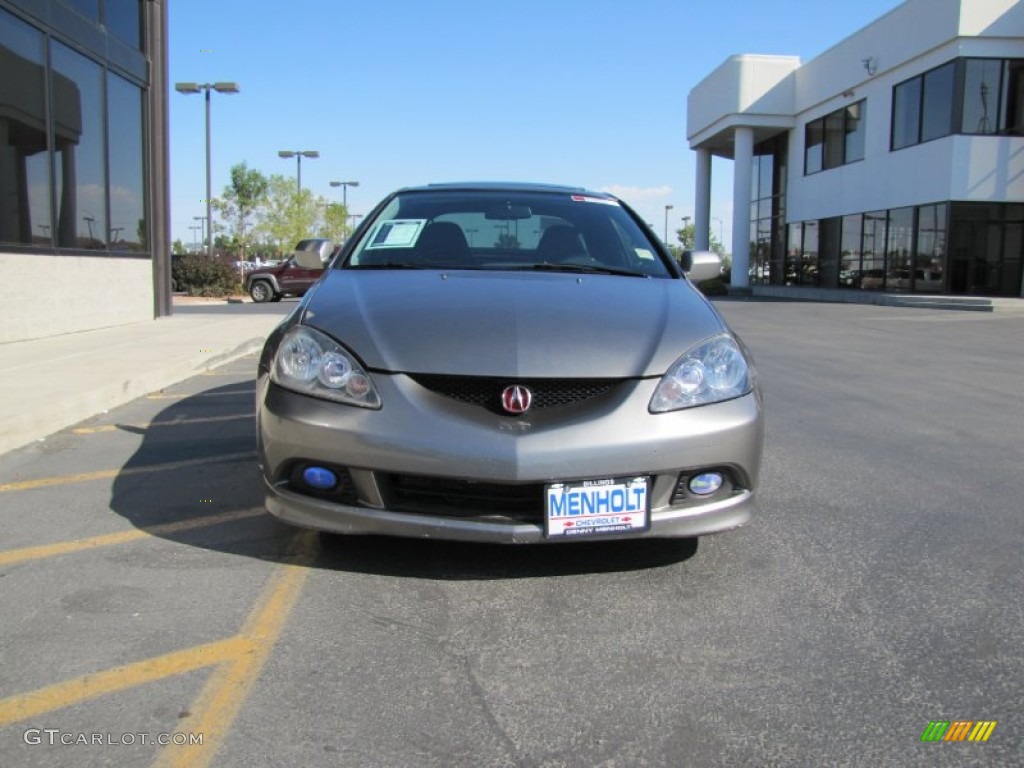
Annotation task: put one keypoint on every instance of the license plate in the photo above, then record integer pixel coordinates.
(597, 507)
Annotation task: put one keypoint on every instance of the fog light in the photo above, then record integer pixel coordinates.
(320, 478)
(706, 483)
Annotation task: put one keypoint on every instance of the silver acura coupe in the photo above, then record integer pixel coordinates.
(508, 363)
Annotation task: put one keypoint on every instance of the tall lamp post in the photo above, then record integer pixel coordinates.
(686, 223)
(202, 227)
(667, 209)
(298, 155)
(344, 193)
(344, 190)
(207, 87)
(721, 242)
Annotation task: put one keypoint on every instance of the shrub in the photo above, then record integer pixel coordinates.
(202, 276)
(716, 286)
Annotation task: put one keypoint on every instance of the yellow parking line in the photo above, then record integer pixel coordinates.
(79, 689)
(246, 392)
(168, 423)
(218, 704)
(106, 540)
(45, 482)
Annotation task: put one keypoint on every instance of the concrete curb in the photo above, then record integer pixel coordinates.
(77, 406)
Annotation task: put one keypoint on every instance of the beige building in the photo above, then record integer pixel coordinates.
(84, 215)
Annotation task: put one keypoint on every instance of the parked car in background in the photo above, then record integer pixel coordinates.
(288, 278)
(509, 363)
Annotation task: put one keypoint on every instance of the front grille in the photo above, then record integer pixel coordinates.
(449, 497)
(485, 391)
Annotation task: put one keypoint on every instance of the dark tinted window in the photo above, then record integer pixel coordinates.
(90, 8)
(981, 96)
(937, 109)
(127, 196)
(814, 141)
(24, 161)
(855, 131)
(906, 113)
(77, 86)
(122, 19)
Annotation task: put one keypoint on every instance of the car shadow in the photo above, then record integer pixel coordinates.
(194, 480)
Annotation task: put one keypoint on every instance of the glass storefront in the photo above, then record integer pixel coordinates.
(72, 135)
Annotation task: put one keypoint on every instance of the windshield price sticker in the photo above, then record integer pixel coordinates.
(397, 233)
(596, 507)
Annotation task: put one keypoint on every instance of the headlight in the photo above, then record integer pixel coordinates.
(712, 371)
(310, 362)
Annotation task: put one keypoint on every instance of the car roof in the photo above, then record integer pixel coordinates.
(506, 186)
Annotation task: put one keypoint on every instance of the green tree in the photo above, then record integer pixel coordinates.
(334, 225)
(178, 248)
(687, 236)
(287, 215)
(241, 202)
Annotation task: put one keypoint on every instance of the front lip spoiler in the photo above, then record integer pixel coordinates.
(668, 522)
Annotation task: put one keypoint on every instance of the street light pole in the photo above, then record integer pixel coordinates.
(202, 227)
(298, 154)
(667, 209)
(686, 223)
(721, 242)
(207, 87)
(344, 190)
(344, 195)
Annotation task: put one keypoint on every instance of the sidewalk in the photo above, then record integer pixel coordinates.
(49, 384)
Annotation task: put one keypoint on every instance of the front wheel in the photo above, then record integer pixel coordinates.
(261, 291)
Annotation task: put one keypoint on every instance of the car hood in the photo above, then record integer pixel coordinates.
(514, 324)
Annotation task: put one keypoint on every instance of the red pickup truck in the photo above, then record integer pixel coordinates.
(287, 278)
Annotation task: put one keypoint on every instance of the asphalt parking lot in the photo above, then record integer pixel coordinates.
(147, 597)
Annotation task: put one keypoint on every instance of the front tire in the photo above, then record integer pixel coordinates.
(261, 291)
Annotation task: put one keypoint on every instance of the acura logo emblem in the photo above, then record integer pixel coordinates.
(516, 398)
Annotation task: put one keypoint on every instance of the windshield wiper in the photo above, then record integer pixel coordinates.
(584, 268)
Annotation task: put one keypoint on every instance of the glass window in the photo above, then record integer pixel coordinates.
(90, 8)
(906, 113)
(24, 157)
(814, 141)
(849, 252)
(127, 198)
(122, 19)
(792, 262)
(937, 110)
(512, 230)
(981, 96)
(828, 249)
(855, 127)
(930, 253)
(77, 85)
(872, 276)
(764, 176)
(898, 249)
(1013, 84)
(809, 254)
(834, 139)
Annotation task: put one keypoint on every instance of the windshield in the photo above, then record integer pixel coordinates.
(498, 230)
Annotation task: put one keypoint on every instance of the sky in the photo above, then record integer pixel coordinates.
(393, 94)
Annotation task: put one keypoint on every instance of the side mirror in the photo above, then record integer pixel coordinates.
(309, 259)
(701, 265)
(315, 255)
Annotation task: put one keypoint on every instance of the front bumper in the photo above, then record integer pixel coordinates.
(419, 434)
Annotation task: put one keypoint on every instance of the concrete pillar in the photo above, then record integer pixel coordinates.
(702, 202)
(742, 170)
